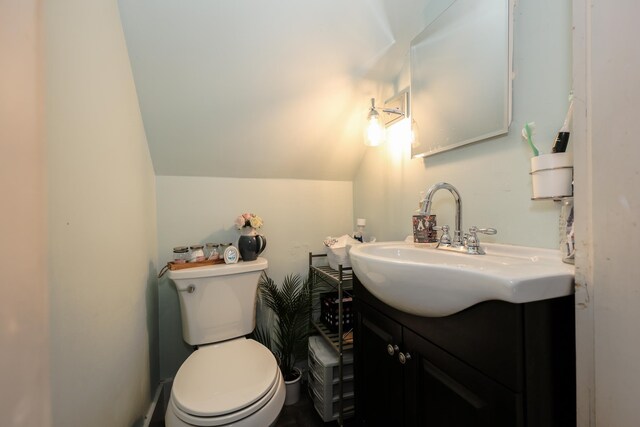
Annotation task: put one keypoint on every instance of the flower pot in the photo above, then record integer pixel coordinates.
(250, 246)
(293, 388)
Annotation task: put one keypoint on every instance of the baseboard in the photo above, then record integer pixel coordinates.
(156, 410)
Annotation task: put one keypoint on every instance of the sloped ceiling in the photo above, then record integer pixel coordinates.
(263, 89)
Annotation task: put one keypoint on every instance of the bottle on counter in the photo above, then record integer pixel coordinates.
(567, 236)
(359, 233)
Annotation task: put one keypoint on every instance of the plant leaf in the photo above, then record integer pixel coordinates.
(291, 304)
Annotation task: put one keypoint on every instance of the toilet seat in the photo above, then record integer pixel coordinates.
(246, 417)
(225, 382)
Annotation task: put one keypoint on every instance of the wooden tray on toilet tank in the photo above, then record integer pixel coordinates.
(182, 265)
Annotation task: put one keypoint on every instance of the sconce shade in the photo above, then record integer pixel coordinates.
(374, 134)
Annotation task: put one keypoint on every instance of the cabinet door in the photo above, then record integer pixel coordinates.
(378, 375)
(446, 392)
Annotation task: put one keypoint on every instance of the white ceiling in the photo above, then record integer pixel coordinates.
(263, 89)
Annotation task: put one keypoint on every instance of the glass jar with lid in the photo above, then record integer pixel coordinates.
(211, 251)
(197, 253)
(222, 248)
(180, 254)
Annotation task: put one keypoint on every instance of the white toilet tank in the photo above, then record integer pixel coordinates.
(218, 302)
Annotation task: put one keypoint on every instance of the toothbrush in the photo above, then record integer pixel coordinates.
(527, 131)
(560, 145)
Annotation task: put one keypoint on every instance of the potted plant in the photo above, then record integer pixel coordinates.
(288, 336)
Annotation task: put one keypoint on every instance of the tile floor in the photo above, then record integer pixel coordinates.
(302, 414)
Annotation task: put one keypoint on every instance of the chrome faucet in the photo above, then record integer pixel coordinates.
(469, 243)
(426, 208)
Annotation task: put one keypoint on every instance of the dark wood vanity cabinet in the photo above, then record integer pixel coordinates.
(494, 364)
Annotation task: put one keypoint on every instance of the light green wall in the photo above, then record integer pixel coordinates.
(102, 198)
(102, 222)
(298, 215)
(492, 176)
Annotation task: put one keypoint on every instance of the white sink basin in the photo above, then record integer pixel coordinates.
(421, 280)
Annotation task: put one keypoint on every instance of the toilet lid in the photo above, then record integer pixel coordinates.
(225, 377)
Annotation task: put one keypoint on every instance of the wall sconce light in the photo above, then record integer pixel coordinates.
(374, 131)
(395, 110)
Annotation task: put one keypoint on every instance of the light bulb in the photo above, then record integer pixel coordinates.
(375, 133)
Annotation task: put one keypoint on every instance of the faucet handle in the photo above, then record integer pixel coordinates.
(472, 241)
(445, 239)
(473, 230)
(490, 231)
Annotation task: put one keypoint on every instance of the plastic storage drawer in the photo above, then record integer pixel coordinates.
(329, 410)
(328, 391)
(324, 380)
(324, 360)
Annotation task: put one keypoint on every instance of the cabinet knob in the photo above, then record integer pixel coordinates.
(404, 357)
(392, 348)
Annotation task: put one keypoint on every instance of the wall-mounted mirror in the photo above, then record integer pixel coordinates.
(461, 76)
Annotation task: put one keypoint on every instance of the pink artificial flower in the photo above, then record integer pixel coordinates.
(240, 222)
(248, 220)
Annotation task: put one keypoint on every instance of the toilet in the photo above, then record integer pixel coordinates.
(229, 380)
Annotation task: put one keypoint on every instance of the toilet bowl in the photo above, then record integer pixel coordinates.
(235, 383)
(230, 381)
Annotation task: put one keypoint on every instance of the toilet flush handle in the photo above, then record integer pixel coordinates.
(190, 289)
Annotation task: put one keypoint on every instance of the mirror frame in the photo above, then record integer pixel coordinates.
(435, 121)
